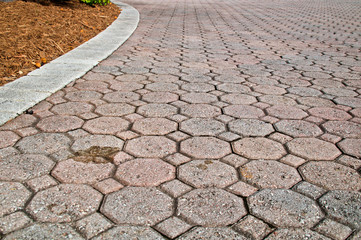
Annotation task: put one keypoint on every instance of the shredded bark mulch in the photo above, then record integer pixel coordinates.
(32, 34)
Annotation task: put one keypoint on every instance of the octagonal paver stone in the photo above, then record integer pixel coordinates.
(259, 148)
(329, 113)
(42, 231)
(202, 127)
(344, 206)
(72, 108)
(24, 167)
(304, 91)
(138, 206)
(331, 175)
(8, 138)
(269, 174)
(243, 111)
(162, 87)
(349, 101)
(154, 126)
(13, 197)
(106, 125)
(344, 129)
(351, 146)
(115, 109)
(286, 112)
(205, 147)
(145, 172)
(121, 97)
(59, 123)
(200, 110)
(97, 141)
(157, 110)
(207, 173)
(238, 98)
(70, 171)
(160, 97)
(43, 143)
(83, 96)
(197, 87)
(295, 233)
(151, 146)
(250, 127)
(313, 149)
(130, 232)
(233, 88)
(126, 86)
(199, 97)
(285, 208)
(208, 233)
(298, 128)
(277, 100)
(64, 203)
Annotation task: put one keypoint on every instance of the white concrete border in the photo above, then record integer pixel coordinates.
(25, 92)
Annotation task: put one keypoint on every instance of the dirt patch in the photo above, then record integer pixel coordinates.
(32, 34)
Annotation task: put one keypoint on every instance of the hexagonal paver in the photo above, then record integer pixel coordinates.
(24, 167)
(295, 233)
(64, 203)
(13, 197)
(121, 97)
(199, 98)
(43, 143)
(70, 171)
(154, 126)
(205, 147)
(72, 108)
(238, 98)
(211, 207)
(7, 139)
(60, 123)
(106, 125)
(329, 113)
(45, 231)
(286, 112)
(115, 109)
(332, 176)
(138, 206)
(250, 127)
(351, 146)
(157, 110)
(200, 110)
(151, 146)
(298, 128)
(97, 141)
(259, 148)
(207, 173)
(160, 97)
(243, 111)
(284, 208)
(345, 206)
(313, 149)
(344, 129)
(202, 126)
(129, 232)
(212, 234)
(269, 174)
(145, 172)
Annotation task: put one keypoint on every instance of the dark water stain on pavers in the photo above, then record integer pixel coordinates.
(96, 154)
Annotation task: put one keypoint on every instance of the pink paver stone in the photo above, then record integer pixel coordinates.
(154, 126)
(160, 97)
(72, 108)
(7, 139)
(43, 143)
(344, 129)
(106, 125)
(70, 171)
(286, 112)
(298, 128)
(200, 110)
(212, 233)
(138, 206)
(202, 126)
(151, 146)
(21, 121)
(173, 227)
(253, 227)
(13, 197)
(242, 189)
(108, 186)
(237, 98)
(64, 203)
(269, 174)
(115, 109)
(130, 232)
(313, 149)
(157, 110)
(211, 207)
(145, 172)
(250, 127)
(205, 147)
(59, 123)
(329, 113)
(92, 225)
(83, 96)
(97, 140)
(259, 148)
(295, 233)
(331, 175)
(121, 97)
(243, 111)
(199, 98)
(351, 146)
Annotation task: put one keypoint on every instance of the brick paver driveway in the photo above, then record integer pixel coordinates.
(218, 119)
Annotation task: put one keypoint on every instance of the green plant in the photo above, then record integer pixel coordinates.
(93, 2)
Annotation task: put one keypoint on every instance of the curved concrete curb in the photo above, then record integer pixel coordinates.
(22, 94)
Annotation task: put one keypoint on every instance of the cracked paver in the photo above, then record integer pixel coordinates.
(219, 120)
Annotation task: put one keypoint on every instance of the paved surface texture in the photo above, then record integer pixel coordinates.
(216, 120)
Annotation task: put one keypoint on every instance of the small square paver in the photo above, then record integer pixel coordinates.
(333, 229)
(92, 225)
(108, 186)
(313, 119)
(331, 138)
(178, 118)
(234, 160)
(293, 160)
(279, 137)
(121, 157)
(270, 119)
(13, 222)
(133, 117)
(177, 159)
(24, 132)
(350, 161)
(175, 188)
(309, 190)
(228, 136)
(253, 227)
(88, 115)
(224, 118)
(79, 133)
(178, 136)
(41, 183)
(126, 135)
(173, 227)
(242, 189)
